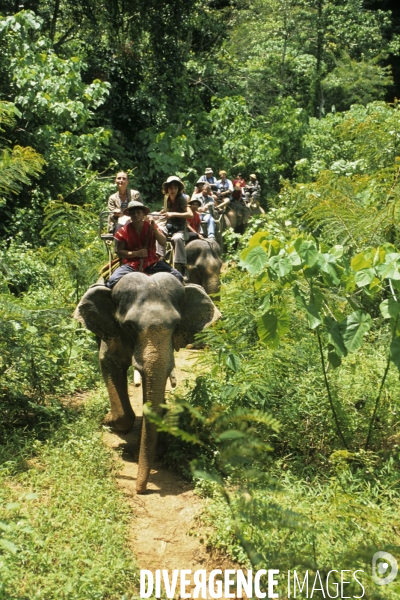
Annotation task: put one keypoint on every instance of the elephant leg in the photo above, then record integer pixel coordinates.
(114, 368)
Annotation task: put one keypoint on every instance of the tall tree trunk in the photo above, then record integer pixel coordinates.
(318, 99)
(54, 20)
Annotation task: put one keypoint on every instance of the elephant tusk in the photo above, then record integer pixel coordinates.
(137, 378)
(172, 378)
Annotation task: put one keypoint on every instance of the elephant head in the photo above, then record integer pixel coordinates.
(140, 322)
(204, 265)
(236, 216)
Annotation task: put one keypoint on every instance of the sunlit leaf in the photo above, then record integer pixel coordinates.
(308, 253)
(280, 265)
(272, 326)
(359, 261)
(364, 277)
(354, 327)
(389, 308)
(255, 260)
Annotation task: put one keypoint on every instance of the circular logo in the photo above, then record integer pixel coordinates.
(382, 568)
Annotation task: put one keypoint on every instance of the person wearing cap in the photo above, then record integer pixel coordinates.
(225, 188)
(209, 178)
(119, 201)
(207, 204)
(252, 190)
(194, 224)
(198, 189)
(136, 245)
(176, 210)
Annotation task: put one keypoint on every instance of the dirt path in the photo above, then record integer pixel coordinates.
(165, 515)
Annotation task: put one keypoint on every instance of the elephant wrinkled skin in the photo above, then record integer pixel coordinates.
(204, 264)
(141, 321)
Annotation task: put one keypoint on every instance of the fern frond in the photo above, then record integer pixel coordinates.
(17, 167)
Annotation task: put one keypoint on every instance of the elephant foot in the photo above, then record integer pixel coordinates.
(121, 424)
(141, 489)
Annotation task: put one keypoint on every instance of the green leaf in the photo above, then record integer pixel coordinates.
(308, 253)
(313, 316)
(9, 546)
(336, 251)
(395, 352)
(334, 359)
(360, 261)
(280, 265)
(255, 260)
(389, 308)
(390, 268)
(326, 263)
(232, 362)
(271, 327)
(257, 238)
(261, 279)
(266, 303)
(335, 335)
(364, 277)
(354, 327)
(295, 260)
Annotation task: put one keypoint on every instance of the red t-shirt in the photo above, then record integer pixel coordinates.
(240, 182)
(195, 222)
(134, 241)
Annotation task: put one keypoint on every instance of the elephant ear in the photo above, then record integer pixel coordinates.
(198, 312)
(96, 311)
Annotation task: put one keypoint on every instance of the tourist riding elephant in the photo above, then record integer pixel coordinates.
(204, 264)
(141, 321)
(236, 216)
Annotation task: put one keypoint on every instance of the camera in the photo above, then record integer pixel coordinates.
(173, 227)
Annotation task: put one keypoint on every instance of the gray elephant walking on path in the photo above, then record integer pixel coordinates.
(141, 321)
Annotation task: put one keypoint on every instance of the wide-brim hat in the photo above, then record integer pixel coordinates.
(201, 182)
(195, 200)
(173, 178)
(253, 176)
(208, 170)
(136, 204)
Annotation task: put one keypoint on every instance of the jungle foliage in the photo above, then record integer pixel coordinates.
(293, 429)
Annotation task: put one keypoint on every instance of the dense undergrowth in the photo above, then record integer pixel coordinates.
(295, 413)
(62, 520)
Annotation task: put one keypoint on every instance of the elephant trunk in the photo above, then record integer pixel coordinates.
(156, 364)
(213, 285)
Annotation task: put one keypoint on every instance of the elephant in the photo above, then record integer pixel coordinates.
(140, 322)
(236, 216)
(204, 264)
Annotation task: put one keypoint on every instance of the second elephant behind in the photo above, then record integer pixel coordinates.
(204, 265)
